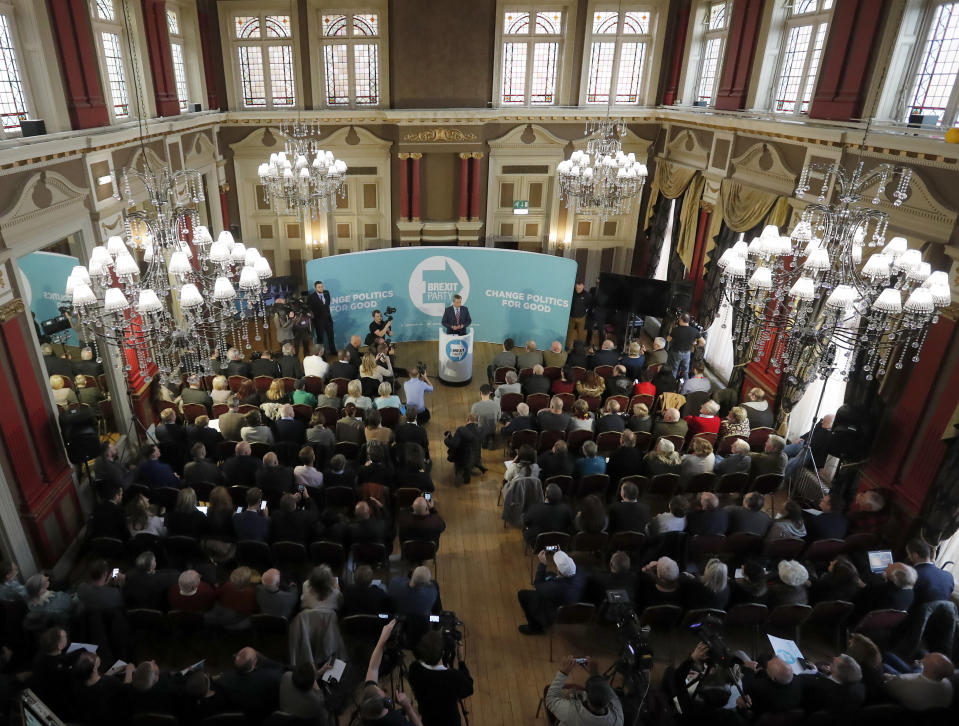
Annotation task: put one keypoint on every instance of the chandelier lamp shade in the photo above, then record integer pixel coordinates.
(188, 301)
(601, 180)
(302, 178)
(809, 300)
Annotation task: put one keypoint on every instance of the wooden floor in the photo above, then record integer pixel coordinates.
(482, 565)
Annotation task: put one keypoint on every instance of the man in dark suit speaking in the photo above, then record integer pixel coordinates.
(319, 303)
(456, 318)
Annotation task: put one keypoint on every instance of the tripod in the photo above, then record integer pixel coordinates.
(806, 454)
(633, 682)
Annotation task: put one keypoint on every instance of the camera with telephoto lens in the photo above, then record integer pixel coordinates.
(708, 631)
(452, 635)
(637, 651)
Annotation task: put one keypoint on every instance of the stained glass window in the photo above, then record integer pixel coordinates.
(179, 75)
(617, 64)
(935, 79)
(714, 39)
(707, 76)
(251, 76)
(13, 103)
(277, 26)
(717, 16)
(351, 58)
(246, 27)
(172, 22)
(532, 47)
(116, 74)
(806, 29)
(105, 10)
(265, 62)
(281, 75)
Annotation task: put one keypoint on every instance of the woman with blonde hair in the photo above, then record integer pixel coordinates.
(634, 361)
(711, 589)
(330, 397)
(141, 519)
(185, 519)
(62, 393)
(221, 390)
(640, 420)
(354, 395)
(663, 459)
(276, 393)
(736, 423)
(700, 460)
(387, 399)
(581, 419)
(370, 367)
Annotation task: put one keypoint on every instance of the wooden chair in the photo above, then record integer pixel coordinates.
(603, 371)
(418, 551)
(766, 483)
(262, 383)
(254, 554)
(704, 482)
(662, 618)
(260, 449)
(290, 556)
(192, 410)
(404, 498)
(548, 438)
(593, 484)
(579, 613)
(702, 547)
(751, 615)
(594, 544)
(705, 435)
(238, 495)
(219, 409)
(694, 402)
(630, 542)
(525, 437)
(563, 481)
(330, 415)
(822, 551)
(608, 441)
(390, 416)
(373, 554)
(568, 400)
(245, 408)
(740, 546)
(725, 447)
(537, 402)
(758, 436)
(303, 412)
(643, 440)
(623, 402)
(524, 373)
(552, 372)
(499, 376)
(641, 398)
(879, 625)
(697, 615)
(862, 542)
(653, 369)
(509, 401)
(314, 384)
(788, 619)
(594, 402)
(236, 381)
(289, 384)
(349, 449)
(734, 483)
(664, 485)
(784, 548)
(226, 449)
(832, 615)
(677, 441)
(577, 373)
(328, 553)
(642, 482)
(184, 553)
(164, 497)
(339, 497)
(107, 548)
(341, 385)
(576, 439)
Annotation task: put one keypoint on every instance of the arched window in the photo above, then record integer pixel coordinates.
(618, 46)
(716, 24)
(178, 55)
(263, 48)
(531, 55)
(110, 35)
(14, 103)
(806, 26)
(351, 58)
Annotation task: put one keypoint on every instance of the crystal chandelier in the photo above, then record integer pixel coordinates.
(811, 301)
(601, 180)
(302, 178)
(185, 303)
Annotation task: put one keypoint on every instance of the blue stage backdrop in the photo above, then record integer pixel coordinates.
(522, 295)
(45, 276)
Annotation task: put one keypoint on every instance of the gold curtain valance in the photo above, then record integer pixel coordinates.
(689, 220)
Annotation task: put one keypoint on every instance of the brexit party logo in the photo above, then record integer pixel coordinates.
(456, 350)
(433, 283)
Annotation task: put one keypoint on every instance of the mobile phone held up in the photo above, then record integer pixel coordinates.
(552, 548)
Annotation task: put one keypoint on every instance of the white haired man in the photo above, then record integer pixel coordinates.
(658, 355)
(555, 357)
(671, 425)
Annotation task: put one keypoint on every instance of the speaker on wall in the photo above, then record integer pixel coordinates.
(33, 127)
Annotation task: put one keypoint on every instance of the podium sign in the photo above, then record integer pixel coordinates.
(455, 357)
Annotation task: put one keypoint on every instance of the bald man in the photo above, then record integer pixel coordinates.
(772, 689)
(421, 522)
(253, 684)
(929, 688)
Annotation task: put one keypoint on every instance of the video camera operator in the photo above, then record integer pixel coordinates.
(439, 686)
(376, 709)
(704, 688)
(596, 704)
(380, 328)
(294, 319)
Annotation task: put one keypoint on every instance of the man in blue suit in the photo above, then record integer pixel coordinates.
(456, 318)
(932, 582)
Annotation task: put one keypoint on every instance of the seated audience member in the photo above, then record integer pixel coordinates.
(869, 658)
(291, 524)
(792, 588)
(758, 410)
(276, 394)
(671, 425)
(350, 427)
(611, 420)
(895, 591)
(929, 688)
(439, 688)
(736, 423)
(626, 459)
(819, 438)
(247, 394)
(551, 515)
(522, 421)
(63, 395)
(87, 395)
(633, 362)
(153, 472)
(421, 522)
(739, 460)
(550, 591)
(663, 459)
(86, 366)
(711, 589)
(829, 524)
(191, 594)
(506, 358)
(50, 677)
(344, 367)
(221, 390)
(599, 703)
(629, 514)
(772, 460)
(673, 519)
(529, 357)
(750, 517)
(219, 523)
(414, 595)
(201, 470)
(605, 356)
(354, 395)
(562, 384)
(289, 429)
(590, 462)
(235, 601)
(537, 382)
(321, 591)
(840, 581)
(107, 468)
(659, 584)
(932, 583)
(387, 399)
(329, 398)
(751, 587)
(665, 382)
(369, 526)
(512, 385)
(645, 386)
(580, 418)
(619, 577)
(252, 523)
(141, 517)
(868, 512)
(146, 587)
(232, 422)
(773, 689)
(185, 519)
(789, 524)
(255, 430)
(708, 518)
(363, 597)
(237, 366)
(377, 468)
(100, 591)
(700, 460)
(301, 695)
(641, 421)
(553, 418)
(101, 698)
(241, 468)
(374, 430)
(339, 473)
(838, 689)
(319, 433)
(556, 462)
(274, 480)
(619, 384)
(591, 518)
(253, 684)
(523, 465)
(11, 589)
(555, 357)
(592, 384)
(706, 421)
(109, 519)
(413, 469)
(306, 474)
(264, 365)
(55, 364)
(170, 431)
(314, 364)
(697, 381)
(272, 599)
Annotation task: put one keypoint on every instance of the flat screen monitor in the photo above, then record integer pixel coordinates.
(638, 295)
(879, 560)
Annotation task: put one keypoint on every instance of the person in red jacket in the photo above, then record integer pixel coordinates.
(190, 593)
(706, 422)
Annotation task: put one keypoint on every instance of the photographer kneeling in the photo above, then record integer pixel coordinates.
(706, 688)
(596, 704)
(439, 688)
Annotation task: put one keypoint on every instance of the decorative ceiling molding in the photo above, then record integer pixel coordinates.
(514, 139)
(921, 215)
(761, 166)
(201, 151)
(439, 135)
(152, 158)
(686, 148)
(342, 137)
(45, 193)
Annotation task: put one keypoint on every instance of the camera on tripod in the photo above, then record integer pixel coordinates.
(637, 652)
(708, 631)
(449, 627)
